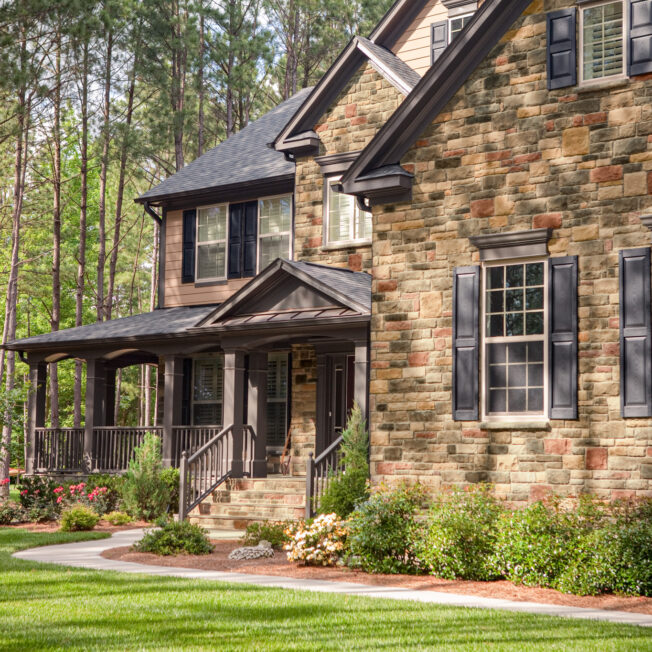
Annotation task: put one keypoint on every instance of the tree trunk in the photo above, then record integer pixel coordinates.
(200, 90)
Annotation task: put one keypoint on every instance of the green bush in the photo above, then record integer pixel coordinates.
(146, 494)
(78, 518)
(383, 529)
(176, 538)
(272, 531)
(461, 534)
(351, 486)
(11, 512)
(112, 499)
(37, 493)
(117, 518)
(171, 478)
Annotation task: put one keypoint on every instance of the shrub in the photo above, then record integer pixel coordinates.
(11, 512)
(175, 538)
(461, 534)
(351, 486)
(117, 518)
(382, 531)
(77, 518)
(273, 531)
(170, 477)
(114, 485)
(38, 492)
(319, 542)
(146, 494)
(81, 494)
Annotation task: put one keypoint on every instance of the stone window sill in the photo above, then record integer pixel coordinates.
(606, 85)
(515, 425)
(346, 245)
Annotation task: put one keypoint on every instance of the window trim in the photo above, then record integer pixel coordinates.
(450, 26)
(625, 36)
(210, 279)
(334, 244)
(290, 232)
(512, 417)
(193, 402)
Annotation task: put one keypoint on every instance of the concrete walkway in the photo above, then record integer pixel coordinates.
(87, 554)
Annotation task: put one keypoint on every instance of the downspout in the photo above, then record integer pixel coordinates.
(362, 205)
(152, 213)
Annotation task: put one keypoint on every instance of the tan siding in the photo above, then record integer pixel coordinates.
(188, 294)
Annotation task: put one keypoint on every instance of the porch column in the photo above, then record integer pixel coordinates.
(322, 403)
(257, 411)
(172, 404)
(361, 377)
(233, 406)
(95, 406)
(36, 399)
(109, 398)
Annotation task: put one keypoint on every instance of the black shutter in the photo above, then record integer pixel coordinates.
(249, 239)
(188, 255)
(635, 334)
(438, 39)
(186, 394)
(562, 48)
(466, 346)
(562, 337)
(235, 240)
(639, 60)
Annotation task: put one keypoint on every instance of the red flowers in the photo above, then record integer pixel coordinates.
(4, 482)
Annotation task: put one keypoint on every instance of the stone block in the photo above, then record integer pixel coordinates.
(575, 141)
(596, 458)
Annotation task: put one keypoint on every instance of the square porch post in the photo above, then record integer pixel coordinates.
(361, 377)
(257, 411)
(35, 410)
(95, 407)
(172, 405)
(233, 406)
(110, 397)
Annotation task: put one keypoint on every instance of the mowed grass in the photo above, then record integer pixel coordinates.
(45, 607)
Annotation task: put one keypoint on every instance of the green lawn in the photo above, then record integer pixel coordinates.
(47, 607)
(14, 494)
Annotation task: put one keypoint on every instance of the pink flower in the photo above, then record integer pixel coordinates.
(58, 490)
(23, 492)
(4, 482)
(59, 499)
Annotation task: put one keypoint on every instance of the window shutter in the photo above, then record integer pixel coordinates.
(438, 39)
(188, 254)
(562, 337)
(235, 240)
(466, 336)
(186, 396)
(640, 37)
(249, 239)
(635, 334)
(562, 48)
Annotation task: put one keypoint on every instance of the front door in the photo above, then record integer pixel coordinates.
(340, 403)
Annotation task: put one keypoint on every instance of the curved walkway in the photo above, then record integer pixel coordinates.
(87, 554)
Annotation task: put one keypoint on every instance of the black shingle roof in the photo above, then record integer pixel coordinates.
(242, 158)
(392, 62)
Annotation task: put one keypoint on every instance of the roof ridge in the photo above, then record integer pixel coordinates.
(337, 269)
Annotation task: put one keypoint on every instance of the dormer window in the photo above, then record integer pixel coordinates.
(457, 24)
(460, 13)
(344, 222)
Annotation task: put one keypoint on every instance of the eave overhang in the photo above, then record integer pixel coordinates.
(391, 184)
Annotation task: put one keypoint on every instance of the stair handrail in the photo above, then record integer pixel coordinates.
(317, 474)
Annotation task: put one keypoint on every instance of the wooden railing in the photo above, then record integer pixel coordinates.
(190, 439)
(210, 466)
(58, 449)
(113, 446)
(319, 472)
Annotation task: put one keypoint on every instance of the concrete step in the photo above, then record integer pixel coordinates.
(224, 523)
(270, 483)
(259, 511)
(251, 496)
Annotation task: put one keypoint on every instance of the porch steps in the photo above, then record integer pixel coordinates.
(240, 502)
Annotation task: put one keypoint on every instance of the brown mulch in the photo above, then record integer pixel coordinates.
(278, 565)
(102, 526)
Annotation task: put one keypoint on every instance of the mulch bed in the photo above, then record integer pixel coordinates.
(278, 565)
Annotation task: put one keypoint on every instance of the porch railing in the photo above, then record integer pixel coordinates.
(206, 469)
(319, 472)
(58, 449)
(191, 439)
(113, 446)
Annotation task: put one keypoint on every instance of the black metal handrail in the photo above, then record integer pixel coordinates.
(319, 473)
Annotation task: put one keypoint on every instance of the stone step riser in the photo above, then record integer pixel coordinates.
(266, 484)
(258, 512)
(247, 497)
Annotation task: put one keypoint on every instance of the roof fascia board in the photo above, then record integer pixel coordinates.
(400, 84)
(437, 86)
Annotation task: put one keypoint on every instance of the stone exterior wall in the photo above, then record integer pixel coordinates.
(303, 405)
(349, 124)
(507, 155)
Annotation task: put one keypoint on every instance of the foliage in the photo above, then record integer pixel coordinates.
(460, 537)
(37, 492)
(78, 518)
(11, 512)
(383, 529)
(170, 477)
(114, 485)
(351, 486)
(117, 518)
(319, 542)
(273, 531)
(78, 494)
(174, 538)
(146, 494)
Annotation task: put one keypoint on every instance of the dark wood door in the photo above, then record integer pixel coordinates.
(340, 400)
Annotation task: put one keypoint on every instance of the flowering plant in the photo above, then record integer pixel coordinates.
(78, 494)
(319, 543)
(4, 482)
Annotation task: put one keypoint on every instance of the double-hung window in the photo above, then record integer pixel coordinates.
(274, 229)
(602, 33)
(207, 390)
(456, 25)
(277, 398)
(514, 352)
(211, 243)
(345, 222)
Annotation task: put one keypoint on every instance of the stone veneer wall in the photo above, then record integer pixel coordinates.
(303, 406)
(507, 155)
(348, 125)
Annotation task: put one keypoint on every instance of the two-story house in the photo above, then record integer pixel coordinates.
(448, 228)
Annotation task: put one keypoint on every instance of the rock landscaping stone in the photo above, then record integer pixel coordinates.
(263, 549)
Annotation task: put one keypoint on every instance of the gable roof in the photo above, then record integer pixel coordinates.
(241, 159)
(376, 50)
(429, 97)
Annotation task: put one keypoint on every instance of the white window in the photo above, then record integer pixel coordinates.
(344, 221)
(515, 335)
(211, 243)
(207, 390)
(277, 398)
(602, 34)
(456, 25)
(274, 229)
